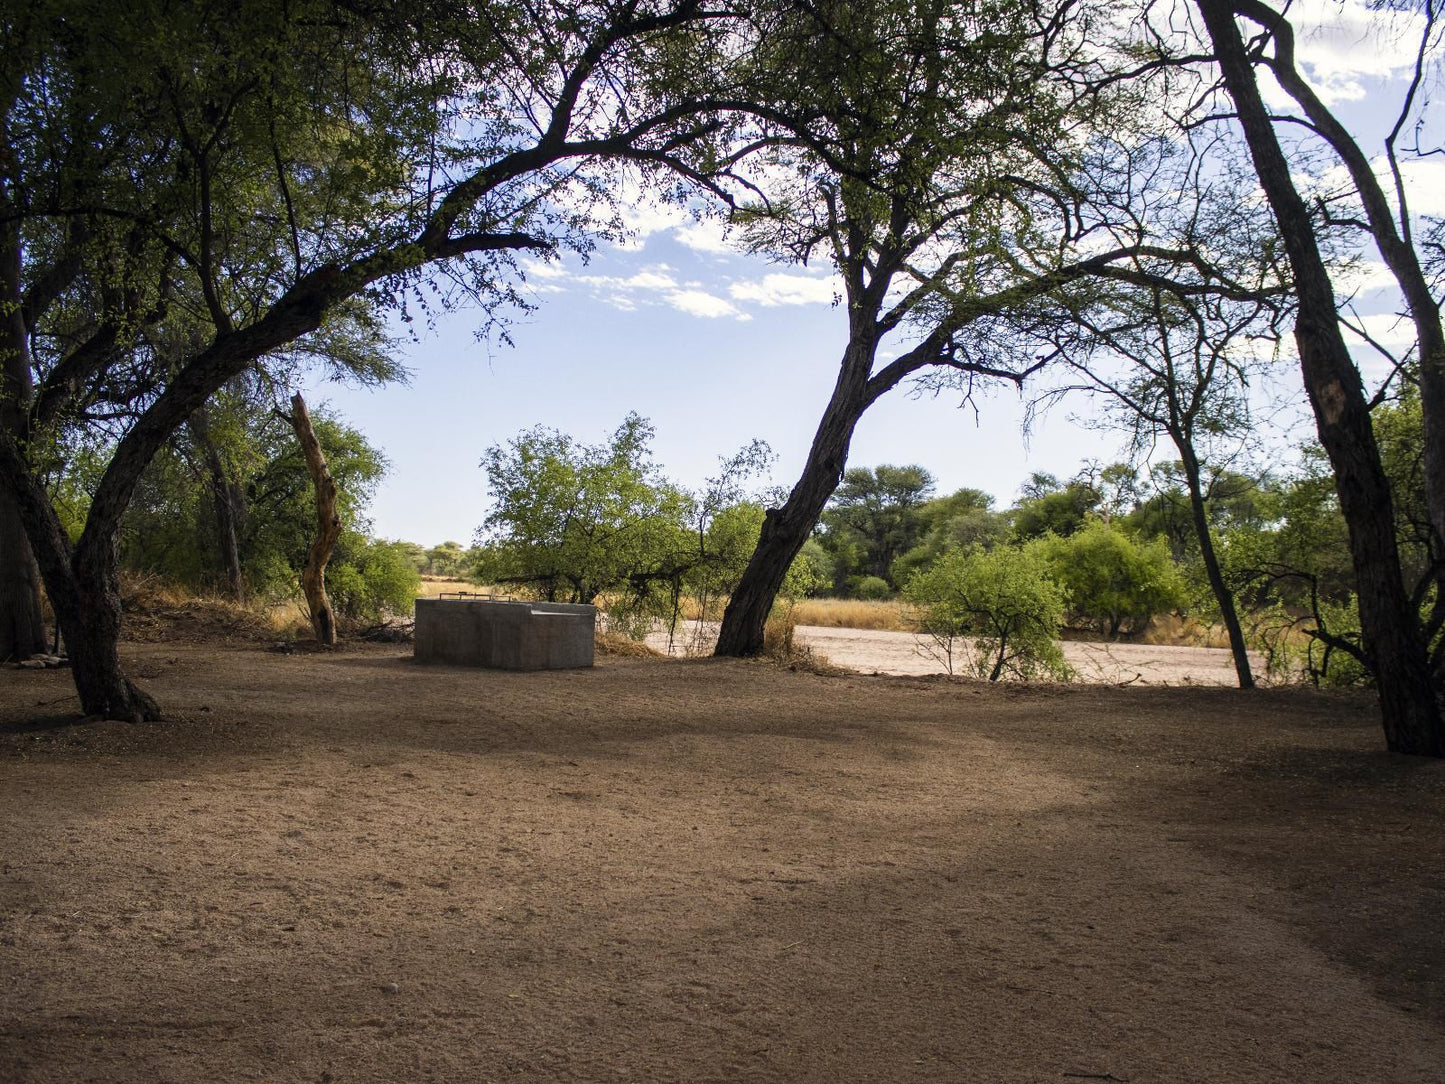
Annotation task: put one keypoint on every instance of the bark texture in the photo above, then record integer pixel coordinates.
(22, 626)
(785, 529)
(1222, 594)
(328, 525)
(228, 501)
(1389, 626)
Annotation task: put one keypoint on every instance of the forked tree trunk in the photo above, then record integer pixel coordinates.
(1389, 626)
(84, 589)
(22, 627)
(328, 525)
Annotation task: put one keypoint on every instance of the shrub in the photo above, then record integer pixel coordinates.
(869, 588)
(1005, 599)
(369, 579)
(1114, 581)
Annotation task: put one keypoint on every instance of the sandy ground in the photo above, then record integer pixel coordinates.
(346, 867)
(903, 654)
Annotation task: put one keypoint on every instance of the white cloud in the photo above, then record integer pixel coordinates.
(708, 235)
(1341, 43)
(649, 278)
(783, 289)
(700, 303)
(1393, 332)
(539, 269)
(620, 301)
(1342, 40)
(1365, 276)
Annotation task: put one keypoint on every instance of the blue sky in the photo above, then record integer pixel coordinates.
(717, 348)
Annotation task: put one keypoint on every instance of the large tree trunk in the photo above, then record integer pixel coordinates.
(1222, 594)
(90, 619)
(84, 589)
(1389, 626)
(22, 626)
(1393, 241)
(328, 525)
(228, 501)
(785, 529)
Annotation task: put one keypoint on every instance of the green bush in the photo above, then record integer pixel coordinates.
(1000, 609)
(1114, 581)
(369, 580)
(869, 588)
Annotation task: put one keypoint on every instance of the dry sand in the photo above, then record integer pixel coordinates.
(346, 867)
(904, 654)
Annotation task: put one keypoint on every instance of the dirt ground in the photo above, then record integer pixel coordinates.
(347, 867)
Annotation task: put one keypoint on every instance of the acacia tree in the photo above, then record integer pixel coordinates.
(1389, 624)
(1177, 368)
(265, 164)
(878, 508)
(571, 521)
(937, 152)
(1391, 229)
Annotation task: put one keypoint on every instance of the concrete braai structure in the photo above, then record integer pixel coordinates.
(504, 634)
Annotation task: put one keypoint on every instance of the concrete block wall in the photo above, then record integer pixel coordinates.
(504, 635)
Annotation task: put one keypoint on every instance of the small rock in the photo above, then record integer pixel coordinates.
(390, 988)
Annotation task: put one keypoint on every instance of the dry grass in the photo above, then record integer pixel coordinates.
(155, 610)
(1171, 630)
(433, 586)
(611, 642)
(852, 613)
(832, 613)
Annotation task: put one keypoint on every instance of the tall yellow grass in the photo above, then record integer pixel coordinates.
(852, 613)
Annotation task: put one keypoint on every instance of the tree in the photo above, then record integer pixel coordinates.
(574, 521)
(169, 529)
(933, 150)
(328, 524)
(1005, 599)
(1392, 641)
(877, 512)
(22, 626)
(962, 520)
(1184, 375)
(1112, 579)
(601, 524)
(262, 166)
(1391, 229)
(446, 560)
(1050, 507)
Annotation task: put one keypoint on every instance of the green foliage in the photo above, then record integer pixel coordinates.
(1050, 507)
(869, 588)
(368, 579)
(447, 560)
(171, 528)
(1005, 598)
(1315, 646)
(571, 521)
(875, 516)
(809, 573)
(959, 521)
(600, 524)
(1114, 580)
